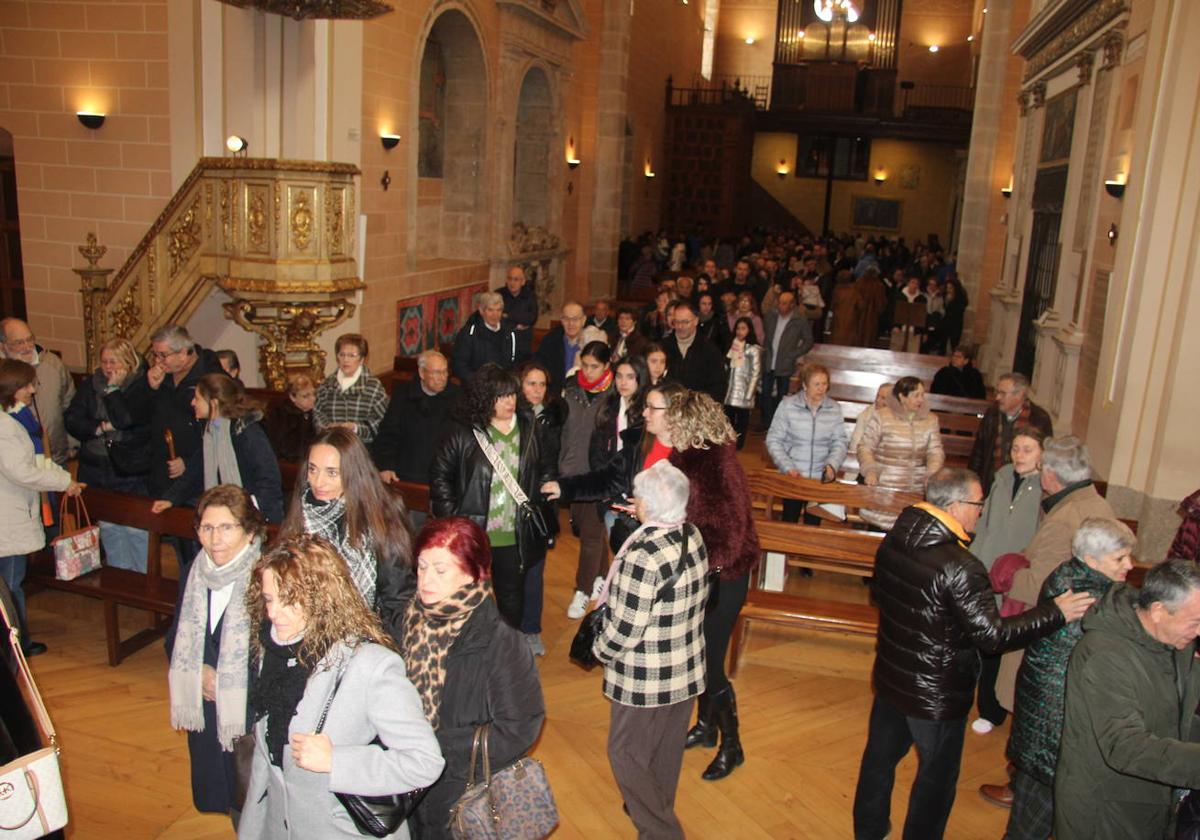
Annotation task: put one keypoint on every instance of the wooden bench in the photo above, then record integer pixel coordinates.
(836, 548)
(121, 587)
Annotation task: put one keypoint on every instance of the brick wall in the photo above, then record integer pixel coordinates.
(57, 58)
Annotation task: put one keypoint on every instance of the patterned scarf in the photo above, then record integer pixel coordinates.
(328, 520)
(187, 658)
(598, 386)
(429, 633)
(1002, 453)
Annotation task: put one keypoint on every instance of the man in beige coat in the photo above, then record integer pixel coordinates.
(1070, 498)
(55, 388)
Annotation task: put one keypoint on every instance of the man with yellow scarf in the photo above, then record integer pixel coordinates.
(936, 611)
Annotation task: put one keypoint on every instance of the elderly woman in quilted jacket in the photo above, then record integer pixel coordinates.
(901, 447)
(1101, 550)
(652, 647)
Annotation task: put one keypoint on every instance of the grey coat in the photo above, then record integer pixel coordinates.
(1007, 524)
(804, 440)
(797, 339)
(374, 699)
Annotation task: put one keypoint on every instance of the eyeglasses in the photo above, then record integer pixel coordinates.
(224, 529)
(972, 504)
(160, 356)
(20, 342)
(349, 356)
(655, 407)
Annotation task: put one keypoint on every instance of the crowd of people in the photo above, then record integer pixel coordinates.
(360, 650)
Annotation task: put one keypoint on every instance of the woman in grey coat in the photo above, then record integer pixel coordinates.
(326, 657)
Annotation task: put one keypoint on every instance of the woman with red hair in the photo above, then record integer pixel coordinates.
(469, 666)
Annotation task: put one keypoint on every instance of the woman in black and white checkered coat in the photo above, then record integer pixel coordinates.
(652, 648)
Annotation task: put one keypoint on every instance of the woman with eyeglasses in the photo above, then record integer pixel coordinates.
(209, 642)
(351, 397)
(340, 496)
(234, 450)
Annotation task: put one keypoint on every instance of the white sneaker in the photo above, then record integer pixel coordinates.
(982, 726)
(578, 605)
(597, 585)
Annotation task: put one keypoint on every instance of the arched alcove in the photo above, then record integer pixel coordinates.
(531, 158)
(452, 126)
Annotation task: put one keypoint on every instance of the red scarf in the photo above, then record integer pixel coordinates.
(597, 386)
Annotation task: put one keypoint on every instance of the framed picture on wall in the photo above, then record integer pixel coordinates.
(876, 213)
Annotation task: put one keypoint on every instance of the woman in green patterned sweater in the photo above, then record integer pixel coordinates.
(462, 481)
(1101, 556)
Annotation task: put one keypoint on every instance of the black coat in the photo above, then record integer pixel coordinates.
(412, 429)
(553, 354)
(290, 430)
(257, 464)
(521, 310)
(490, 676)
(169, 407)
(476, 345)
(982, 460)
(460, 480)
(953, 382)
(117, 460)
(716, 331)
(936, 611)
(703, 369)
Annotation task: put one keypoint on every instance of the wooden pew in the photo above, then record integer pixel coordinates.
(121, 587)
(834, 548)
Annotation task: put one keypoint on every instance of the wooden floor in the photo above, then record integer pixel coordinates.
(803, 700)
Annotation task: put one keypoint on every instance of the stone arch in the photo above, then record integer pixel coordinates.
(534, 148)
(450, 193)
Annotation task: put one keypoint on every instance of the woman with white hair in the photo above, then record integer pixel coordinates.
(652, 648)
(1101, 557)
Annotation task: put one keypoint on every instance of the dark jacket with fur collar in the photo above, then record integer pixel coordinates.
(719, 505)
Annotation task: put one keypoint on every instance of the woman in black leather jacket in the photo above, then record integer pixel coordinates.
(462, 482)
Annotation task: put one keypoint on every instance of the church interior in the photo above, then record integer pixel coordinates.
(272, 174)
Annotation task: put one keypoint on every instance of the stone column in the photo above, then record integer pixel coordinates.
(989, 164)
(610, 150)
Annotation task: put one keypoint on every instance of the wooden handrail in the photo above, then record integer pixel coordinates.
(777, 485)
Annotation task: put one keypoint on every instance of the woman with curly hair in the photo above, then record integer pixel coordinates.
(690, 430)
(468, 665)
(463, 481)
(334, 711)
(234, 450)
(339, 496)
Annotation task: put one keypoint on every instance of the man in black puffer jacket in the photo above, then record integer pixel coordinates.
(936, 610)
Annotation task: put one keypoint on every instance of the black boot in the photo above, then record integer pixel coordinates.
(704, 733)
(730, 754)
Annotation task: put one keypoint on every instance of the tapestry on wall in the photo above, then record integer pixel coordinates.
(431, 320)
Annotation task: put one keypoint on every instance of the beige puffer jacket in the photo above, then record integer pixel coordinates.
(903, 451)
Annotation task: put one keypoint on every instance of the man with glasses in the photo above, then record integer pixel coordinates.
(692, 360)
(936, 609)
(55, 389)
(993, 441)
(416, 419)
(561, 346)
(163, 400)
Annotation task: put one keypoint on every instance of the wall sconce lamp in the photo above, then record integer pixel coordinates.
(1006, 191)
(573, 160)
(389, 141)
(782, 169)
(1112, 234)
(1115, 187)
(933, 48)
(749, 42)
(880, 177)
(90, 119)
(648, 170)
(237, 145)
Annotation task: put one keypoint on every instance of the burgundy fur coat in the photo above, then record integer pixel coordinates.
(719, 505)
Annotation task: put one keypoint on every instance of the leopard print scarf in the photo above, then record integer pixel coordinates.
(429, 633)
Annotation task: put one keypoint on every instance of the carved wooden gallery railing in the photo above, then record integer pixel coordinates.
(279, 236)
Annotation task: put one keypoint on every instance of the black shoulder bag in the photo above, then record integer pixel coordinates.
(376, 816)
(592, 626)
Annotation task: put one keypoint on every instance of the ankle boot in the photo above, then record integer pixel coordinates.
(730, 754)
(704, 733)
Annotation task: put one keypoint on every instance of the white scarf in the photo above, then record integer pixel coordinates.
(345, 383)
